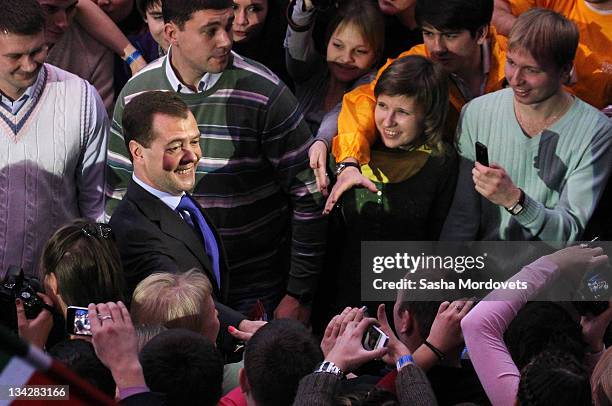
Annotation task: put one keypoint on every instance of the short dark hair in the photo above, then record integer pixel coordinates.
(185, 366)
(554, 378)
(143, 5)
(275, 359)
(80, 356)
(85, 260)
(541, 326)
(546, 35)
(180, 11)
(23, 17)
(419, 77)
(468, 15)
(138, 114)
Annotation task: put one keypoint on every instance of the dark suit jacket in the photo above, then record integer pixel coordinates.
(152, 238)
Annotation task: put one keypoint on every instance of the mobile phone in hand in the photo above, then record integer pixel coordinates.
(374, 338)
(77, 322)
(482, 154)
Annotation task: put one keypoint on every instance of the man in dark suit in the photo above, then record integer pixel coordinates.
(158, 226)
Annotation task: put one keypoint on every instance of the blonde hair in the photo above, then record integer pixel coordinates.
(601, 380)
(172, 300)
(546, 35)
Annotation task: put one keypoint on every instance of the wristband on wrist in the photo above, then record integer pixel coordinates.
(403, 361)
(328, 367)
(131, 58)
(343, 165)
(436, 351)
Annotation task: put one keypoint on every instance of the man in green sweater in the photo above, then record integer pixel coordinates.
(253, 178)
(550, 152)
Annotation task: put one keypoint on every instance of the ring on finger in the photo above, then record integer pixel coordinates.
(105, 317)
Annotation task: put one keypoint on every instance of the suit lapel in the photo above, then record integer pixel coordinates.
(170, 223)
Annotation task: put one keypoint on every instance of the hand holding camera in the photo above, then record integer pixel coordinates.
(395, 348)
(348, 353)
(337, 326)
(35, 330)
(115, 342)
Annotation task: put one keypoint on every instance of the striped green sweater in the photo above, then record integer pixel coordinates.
(563, 172)
(253, 178)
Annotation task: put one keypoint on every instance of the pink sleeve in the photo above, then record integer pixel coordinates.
(484, 327)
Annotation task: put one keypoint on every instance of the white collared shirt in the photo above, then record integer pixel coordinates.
(13, 106)
(207, 81)
(169, 200)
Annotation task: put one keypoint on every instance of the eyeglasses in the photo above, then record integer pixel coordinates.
(98, 230)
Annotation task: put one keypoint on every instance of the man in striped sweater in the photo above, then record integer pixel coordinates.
(550, 152)
(253, 178)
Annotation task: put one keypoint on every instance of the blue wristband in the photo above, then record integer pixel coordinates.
(132, 57)
(403, 361)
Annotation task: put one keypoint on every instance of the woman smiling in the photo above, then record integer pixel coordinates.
(413, 169)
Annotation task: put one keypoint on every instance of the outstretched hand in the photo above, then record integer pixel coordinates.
(575, 260)
(246, 329)
(350, 177)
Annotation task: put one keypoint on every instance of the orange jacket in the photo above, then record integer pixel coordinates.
(356, 127)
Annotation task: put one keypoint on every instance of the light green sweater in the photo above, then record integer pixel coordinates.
(563, 172)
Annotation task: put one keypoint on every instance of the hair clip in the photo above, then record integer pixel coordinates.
(99, 230)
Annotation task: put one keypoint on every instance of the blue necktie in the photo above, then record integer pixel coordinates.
(195, 215)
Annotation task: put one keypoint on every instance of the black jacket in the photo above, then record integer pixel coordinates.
(152, 238)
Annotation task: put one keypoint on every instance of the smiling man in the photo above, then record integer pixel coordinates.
(158, 226)
(253, 177)
(550, 152)
(53, 133)
(591, 80)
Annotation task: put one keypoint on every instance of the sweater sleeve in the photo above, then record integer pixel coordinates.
(413, 387)
(484, 326)
(90, 175)
(579, 196)
(317, 390)
(301, 56)
(285, 142)
(118, 165)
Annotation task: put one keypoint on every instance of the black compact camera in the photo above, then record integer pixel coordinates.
(18, 286)
(595, 291)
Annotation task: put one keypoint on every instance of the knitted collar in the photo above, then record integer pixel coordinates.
(13, 124)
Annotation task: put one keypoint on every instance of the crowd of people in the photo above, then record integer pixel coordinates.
(201, 175)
